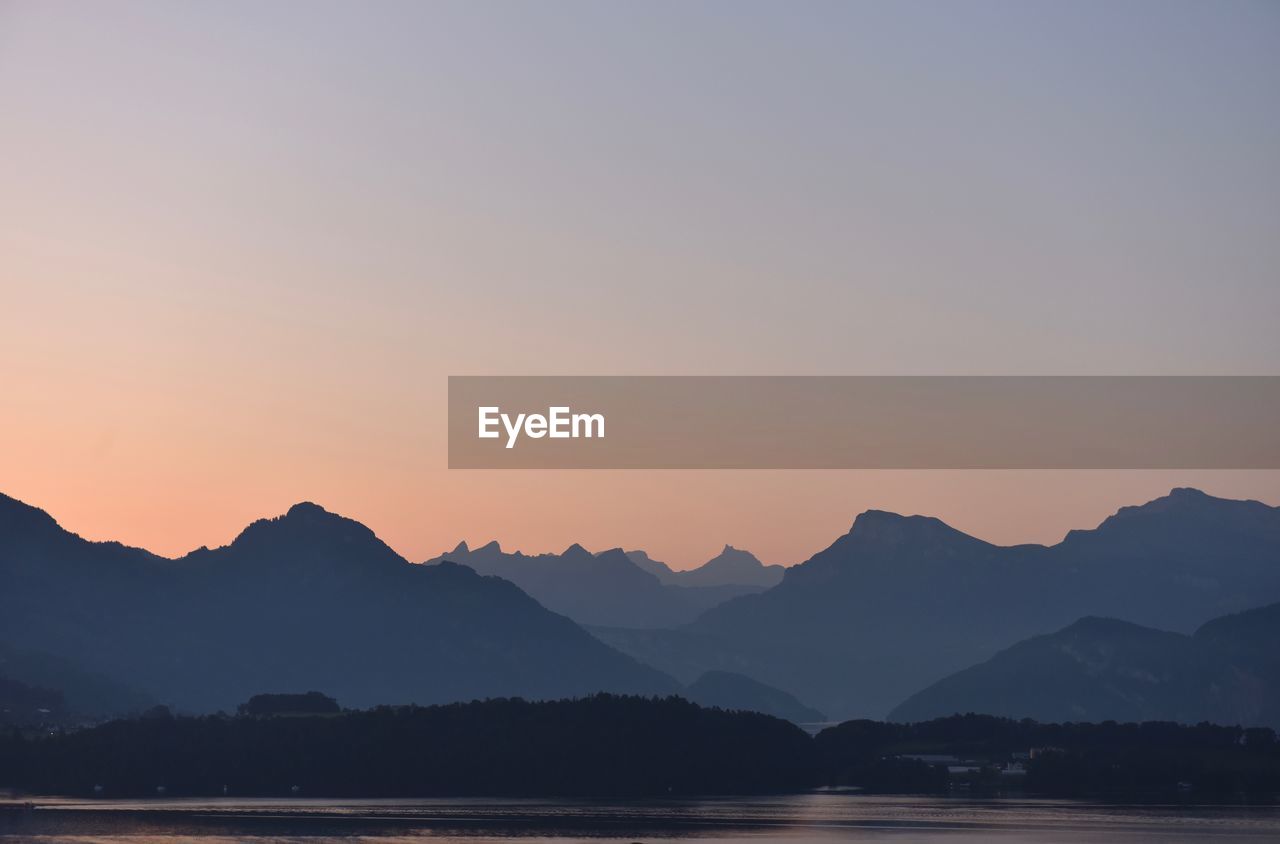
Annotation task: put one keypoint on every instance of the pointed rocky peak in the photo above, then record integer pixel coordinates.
(576, 552)
(733, 560)
(461, 552)
(657, 568)
(733, 566)
(616, 563)
(617, 557)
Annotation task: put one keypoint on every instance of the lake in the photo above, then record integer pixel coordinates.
(794, 819)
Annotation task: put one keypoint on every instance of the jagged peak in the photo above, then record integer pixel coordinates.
(576, 550)
(619, 557)
(461, 548)
(735, 557)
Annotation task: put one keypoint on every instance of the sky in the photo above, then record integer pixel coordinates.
(242, 245)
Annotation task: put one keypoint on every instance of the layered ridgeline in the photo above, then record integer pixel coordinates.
(314, 601)
(727, 690)
(38, 687)
(1101, 669)
(731, 567)
(612, 587)
(309, 600)
(902, 601)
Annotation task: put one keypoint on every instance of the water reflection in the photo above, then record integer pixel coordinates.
(817, 817)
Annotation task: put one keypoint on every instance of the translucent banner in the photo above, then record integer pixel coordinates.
(864, 422)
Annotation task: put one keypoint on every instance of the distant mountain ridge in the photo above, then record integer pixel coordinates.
(305, 600)
(901, 601)
(78, 693)
(736, 691)
(732, 566)
(606, 588)
(311, 600)
(1101, 669)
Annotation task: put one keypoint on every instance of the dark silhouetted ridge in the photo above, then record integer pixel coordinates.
(608, 588)
(1104, 669)
(306, 600)
(728, 690)
(900, 601)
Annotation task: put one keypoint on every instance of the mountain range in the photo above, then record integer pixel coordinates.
(312, 600)
(37, 686)
(731, 567)
(901, 601)
(615, 587)
(308, 600)
(1102, 669)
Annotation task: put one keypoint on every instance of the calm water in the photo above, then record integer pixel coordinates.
(819, 817)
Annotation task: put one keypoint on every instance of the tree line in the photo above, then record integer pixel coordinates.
(616, 746)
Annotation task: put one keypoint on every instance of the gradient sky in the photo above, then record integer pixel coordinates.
(243, 244)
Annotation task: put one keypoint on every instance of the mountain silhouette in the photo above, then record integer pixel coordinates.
(731, 567)
(657, 568)
(596, 589)
(901, 601)
(79, 693)
(1101, 669)
(738, 692)
(305, 600)
(312, 600)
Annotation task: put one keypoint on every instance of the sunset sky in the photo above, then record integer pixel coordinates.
(242, 245)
